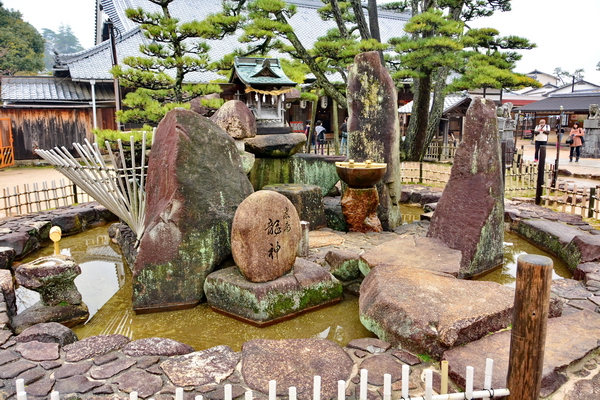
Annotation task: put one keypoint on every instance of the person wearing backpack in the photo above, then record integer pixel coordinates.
(541, 139)
(320, 134)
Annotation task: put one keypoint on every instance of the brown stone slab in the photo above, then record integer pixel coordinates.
(423, 253)
(569, 339)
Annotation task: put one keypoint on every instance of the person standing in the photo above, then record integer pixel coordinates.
(541, 138)
(577, 135)
(344, 130)
(320, 135)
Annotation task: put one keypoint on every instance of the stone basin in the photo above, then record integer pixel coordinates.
(360, 175)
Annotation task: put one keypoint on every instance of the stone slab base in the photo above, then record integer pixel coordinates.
(306, 287)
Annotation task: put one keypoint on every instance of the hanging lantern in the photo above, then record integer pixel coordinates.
(272, 99)
(324, 102)
(264, 98)
(283, 97)
(302, 104)
(256, 97)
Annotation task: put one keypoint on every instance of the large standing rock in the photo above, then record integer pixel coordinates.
(265, 235)
(374, 130)
(236, 119)
(470, 214)
(431, 312)
(195, 183)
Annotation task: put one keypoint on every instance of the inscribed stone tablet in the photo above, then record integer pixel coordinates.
(265, 236)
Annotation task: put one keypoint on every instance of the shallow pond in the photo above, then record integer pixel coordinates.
(105, 284)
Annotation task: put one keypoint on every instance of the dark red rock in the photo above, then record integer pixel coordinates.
(343, 264)
(372, 345)
(275, 146)
(374, 129)
(195, 183)
(147, 362)
(21, 242)
(156, 347)
(586, 268)
(105, 359)
(265, 360)
(359, 207)
(406, 357)
(219, 394)
(12, 370)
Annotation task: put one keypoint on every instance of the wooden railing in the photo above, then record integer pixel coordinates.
(40, 196)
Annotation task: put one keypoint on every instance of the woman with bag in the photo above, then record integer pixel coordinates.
(576, 139)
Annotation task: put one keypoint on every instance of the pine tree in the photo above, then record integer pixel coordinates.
(440, 42)
(175, 50)
(62, 42)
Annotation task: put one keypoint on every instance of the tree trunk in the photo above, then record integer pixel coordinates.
(437, 108)
(374, 20)
(360, 20)
(419, 117)
(339, 20)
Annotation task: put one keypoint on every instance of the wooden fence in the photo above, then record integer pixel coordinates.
(42, 196)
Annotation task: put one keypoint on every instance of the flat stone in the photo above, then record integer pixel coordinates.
(94, 346)
(8, 356)
(372, 345)
(275, 146)
(111, 369)
(202, 367)
(406, 357)
(41, 388)
(38, 351)
(70, 315)
(318, 239)
(32, 375)
(147, 362)
(429, 312)
(50, 332)
(105, 359)
(156, 347)
(584, 269)
(104, 389)
(142, 382)
(12, 370)
(570, 289)
(307, 286)
(415, 252)
(295, 362)
(219, 393)
(568, 340)
(69, 370)
(265, 235)
(380, 365)
(76, 384)
(583, 305)
(48, 365)
(4, 336)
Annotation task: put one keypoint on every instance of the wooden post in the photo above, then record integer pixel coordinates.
(592, 199)
(528, 336)
(540, 176)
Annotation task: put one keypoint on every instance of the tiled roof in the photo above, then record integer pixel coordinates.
(450, 102)
(572, 102)
(261, 71)
(95, 63)
(48, 88)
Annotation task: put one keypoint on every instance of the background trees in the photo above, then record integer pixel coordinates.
(62, 42)
(158, 76)
(21, 46)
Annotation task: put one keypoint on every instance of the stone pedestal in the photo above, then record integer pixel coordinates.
(359, 207)
(265, 303)
(307, 199)
(591, 148)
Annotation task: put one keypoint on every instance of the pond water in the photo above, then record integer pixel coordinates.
(105, 284)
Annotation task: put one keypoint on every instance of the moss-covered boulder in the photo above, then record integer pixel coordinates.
(194, 186)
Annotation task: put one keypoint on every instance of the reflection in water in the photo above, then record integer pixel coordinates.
(105, 284)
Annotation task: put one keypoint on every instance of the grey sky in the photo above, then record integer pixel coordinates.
(565, 32)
